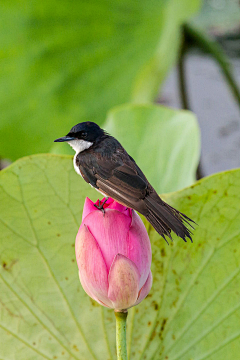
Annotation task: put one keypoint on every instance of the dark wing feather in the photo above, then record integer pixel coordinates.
(87, 175)
(124, 183)
(123, 174)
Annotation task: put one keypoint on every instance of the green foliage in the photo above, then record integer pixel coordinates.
(68, 61)
(162, 141)
(192, 311)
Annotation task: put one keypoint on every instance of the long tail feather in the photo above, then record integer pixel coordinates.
(164, 218)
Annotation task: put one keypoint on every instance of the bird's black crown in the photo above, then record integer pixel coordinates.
(88, 131)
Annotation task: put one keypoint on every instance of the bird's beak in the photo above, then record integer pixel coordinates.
(65, 138)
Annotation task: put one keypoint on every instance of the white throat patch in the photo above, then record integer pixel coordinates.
(80, 145)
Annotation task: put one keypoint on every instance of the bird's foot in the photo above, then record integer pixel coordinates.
(100, 206)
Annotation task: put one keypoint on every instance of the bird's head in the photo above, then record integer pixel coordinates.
(82, 136)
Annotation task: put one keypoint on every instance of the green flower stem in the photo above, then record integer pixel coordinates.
(121, 319)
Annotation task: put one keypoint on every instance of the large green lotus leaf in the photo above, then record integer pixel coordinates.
(63, 62)
(163, 142)
(192, 311)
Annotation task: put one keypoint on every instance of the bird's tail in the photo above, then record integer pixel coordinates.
(165, 218)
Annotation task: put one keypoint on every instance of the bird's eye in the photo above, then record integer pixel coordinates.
(84, 135)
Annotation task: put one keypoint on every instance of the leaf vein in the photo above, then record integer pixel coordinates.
(36, 317)
(207, 303)
(24, 342)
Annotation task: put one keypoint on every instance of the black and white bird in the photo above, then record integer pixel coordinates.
(103, 163)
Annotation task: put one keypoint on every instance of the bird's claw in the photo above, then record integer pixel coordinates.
(100, 207)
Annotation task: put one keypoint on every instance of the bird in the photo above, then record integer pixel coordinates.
(104, 164)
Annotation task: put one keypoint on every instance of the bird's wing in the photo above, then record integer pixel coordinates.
(124, 185)
(118, 176)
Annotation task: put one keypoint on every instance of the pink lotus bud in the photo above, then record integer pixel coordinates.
(113, 255)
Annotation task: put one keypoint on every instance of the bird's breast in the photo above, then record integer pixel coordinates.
(76, 168)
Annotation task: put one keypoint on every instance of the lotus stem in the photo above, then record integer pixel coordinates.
(121, 342)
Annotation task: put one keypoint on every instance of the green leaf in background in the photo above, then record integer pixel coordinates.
(192, 311)
(65, 62)
(164, 142)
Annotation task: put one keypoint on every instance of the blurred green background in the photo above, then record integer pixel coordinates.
(66, 62)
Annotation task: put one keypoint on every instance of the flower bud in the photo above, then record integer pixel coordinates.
(113, 254)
